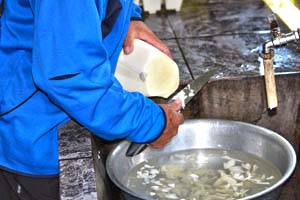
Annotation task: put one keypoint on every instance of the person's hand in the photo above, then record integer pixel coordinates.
(139, 30)
(173, 120)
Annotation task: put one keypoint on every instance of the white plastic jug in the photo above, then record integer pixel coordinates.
(147, 70)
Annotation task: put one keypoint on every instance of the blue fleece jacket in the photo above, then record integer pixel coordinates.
(55, 65)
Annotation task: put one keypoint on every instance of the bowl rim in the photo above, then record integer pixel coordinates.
(268, 132)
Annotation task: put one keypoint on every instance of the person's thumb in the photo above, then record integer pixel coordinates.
(128, 44)
(176, 105)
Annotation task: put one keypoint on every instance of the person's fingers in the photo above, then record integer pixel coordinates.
(139, 30)
(179, 118)
(173, 120)
(176, 106)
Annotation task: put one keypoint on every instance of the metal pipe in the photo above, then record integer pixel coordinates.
(281, 40)
(270, 84)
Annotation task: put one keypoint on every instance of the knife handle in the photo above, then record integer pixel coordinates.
(135, 149)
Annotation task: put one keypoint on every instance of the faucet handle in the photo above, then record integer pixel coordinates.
(274, 26)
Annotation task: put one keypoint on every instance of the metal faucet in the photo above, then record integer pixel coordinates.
(279, 39)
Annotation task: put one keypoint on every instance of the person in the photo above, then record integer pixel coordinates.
(58, 59)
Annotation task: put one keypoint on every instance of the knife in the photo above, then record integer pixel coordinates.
(185, 95)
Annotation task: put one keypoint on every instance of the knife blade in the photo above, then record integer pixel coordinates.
(191, 89)
(185, 95)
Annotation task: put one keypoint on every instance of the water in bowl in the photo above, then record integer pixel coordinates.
(202, 174)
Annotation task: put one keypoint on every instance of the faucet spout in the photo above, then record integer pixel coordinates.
(267, 46)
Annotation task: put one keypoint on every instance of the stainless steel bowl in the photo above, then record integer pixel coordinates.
(212, 133)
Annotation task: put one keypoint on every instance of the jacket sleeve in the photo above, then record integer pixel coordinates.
(136, 12)
(70, 64)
